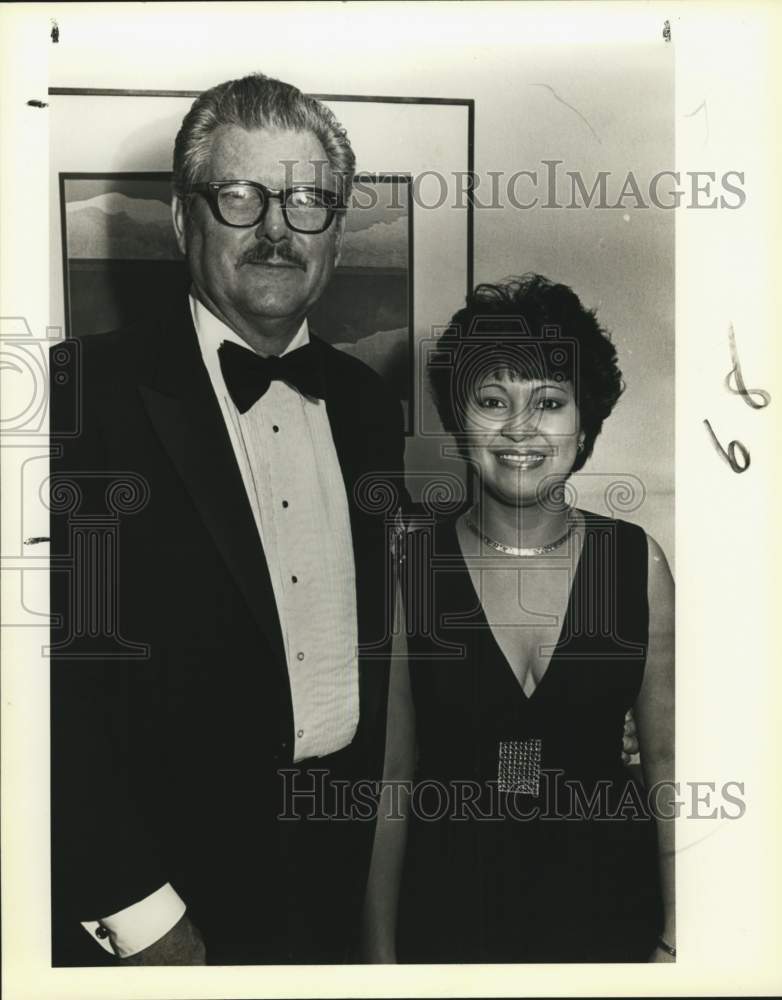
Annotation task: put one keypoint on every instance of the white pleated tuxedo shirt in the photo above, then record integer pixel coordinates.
(290, 469)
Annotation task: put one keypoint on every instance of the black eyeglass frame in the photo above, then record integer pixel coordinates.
(211, 191)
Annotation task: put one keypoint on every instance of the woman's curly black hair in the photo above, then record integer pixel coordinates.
(537, 329)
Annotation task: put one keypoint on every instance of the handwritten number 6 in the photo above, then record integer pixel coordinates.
(736, 449)
(730, 454)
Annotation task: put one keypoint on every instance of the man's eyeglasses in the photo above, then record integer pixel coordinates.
(306, 209)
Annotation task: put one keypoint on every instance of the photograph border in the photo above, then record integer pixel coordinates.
(739, 906)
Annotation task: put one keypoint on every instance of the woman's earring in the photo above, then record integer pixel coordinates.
(580, 444)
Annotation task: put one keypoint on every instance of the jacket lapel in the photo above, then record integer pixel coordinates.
(346, 431)
(181, 404)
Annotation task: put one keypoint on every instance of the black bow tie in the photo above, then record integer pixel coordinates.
(247, 375)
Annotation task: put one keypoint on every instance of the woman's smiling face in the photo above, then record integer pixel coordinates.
(520, 433)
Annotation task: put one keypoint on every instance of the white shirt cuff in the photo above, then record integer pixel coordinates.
(138, 926)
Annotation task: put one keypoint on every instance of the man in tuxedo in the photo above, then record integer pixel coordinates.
(220, 670)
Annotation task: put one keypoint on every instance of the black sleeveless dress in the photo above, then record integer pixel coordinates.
(529, 841)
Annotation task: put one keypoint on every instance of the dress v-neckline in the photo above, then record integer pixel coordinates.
(566, 618)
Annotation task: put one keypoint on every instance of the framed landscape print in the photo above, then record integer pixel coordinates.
(407, 256)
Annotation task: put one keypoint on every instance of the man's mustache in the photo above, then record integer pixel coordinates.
(276, 253)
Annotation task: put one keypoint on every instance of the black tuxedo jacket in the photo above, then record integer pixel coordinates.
(171, 710)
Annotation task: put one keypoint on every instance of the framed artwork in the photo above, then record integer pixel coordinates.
(407, 257)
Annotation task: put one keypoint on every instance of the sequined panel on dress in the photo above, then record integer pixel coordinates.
(519, 766)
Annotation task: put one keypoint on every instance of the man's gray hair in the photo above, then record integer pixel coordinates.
(258, 101)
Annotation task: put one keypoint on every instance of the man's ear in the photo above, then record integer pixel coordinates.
(179, 218)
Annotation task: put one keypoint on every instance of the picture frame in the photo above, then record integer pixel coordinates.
(407, 257)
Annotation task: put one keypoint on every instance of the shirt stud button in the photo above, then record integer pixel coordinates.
(285, 503)
(300, 656)
(300, 733)
(294, 579)
(275, 428)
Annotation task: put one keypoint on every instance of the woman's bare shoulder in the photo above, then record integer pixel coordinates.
(660, 586)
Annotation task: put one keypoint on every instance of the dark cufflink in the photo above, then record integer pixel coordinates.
(101, 932)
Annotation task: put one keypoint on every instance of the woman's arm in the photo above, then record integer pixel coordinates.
(654, 712)
(385, 870)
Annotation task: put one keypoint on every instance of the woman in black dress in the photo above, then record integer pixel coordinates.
(528, 840)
